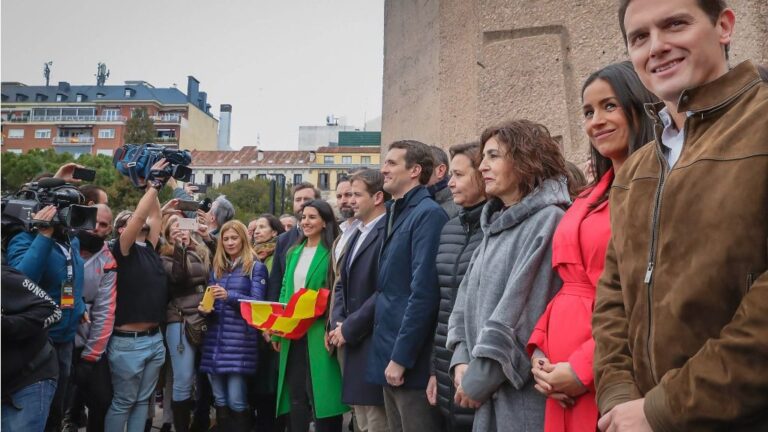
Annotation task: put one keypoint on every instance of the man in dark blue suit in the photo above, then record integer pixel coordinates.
(408, 291)
(355, 299)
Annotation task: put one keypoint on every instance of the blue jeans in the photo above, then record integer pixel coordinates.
(64, 354)
(29, 409)
(135, 363)
(230, 390)
(183, 363)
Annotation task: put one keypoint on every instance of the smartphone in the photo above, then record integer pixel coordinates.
(188, 205)
(208, 299)
(84, 174)
(189, 224)
(201, 188)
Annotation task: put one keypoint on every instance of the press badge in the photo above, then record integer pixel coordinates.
(67, 296)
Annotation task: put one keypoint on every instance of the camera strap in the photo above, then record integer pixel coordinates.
(68, 287)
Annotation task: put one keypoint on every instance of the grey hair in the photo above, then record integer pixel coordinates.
(224, 210)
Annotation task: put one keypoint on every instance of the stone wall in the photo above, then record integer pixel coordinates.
(453, 67)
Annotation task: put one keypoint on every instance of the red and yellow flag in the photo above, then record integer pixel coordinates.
(290, 321)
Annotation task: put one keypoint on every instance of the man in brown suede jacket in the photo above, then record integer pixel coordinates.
(681, 316)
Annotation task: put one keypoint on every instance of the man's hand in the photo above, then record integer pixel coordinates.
(65, 172)
(46, 215)
(170, 207)
(190, 189)
(276, 346)
(559, 378)
(627, 416)
(337, 338)
(394, 374)
(432, 390)
(85, 319)
(463, 400)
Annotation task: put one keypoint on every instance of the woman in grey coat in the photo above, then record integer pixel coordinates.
(510, 279)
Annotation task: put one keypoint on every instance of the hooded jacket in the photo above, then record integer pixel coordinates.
(681, 315)
(507, 287)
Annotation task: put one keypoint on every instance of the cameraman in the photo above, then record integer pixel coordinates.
(50, 258)
(30, 368)
(93, 382)
(136, 351)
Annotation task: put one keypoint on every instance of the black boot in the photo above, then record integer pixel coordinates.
(223, 419)
(181, 414)
(241, 421)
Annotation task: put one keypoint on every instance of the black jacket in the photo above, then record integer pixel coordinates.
(458, 240)
(27, 312)
(284, 242)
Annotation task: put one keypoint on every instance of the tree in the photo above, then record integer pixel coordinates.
(250, 197)
(140, 129)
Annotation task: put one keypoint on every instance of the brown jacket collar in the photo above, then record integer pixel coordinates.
(713, 94)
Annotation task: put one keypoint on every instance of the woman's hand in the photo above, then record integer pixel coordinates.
(458, 374)
(276, 346)
(432, 390)
(219, 293)
(559, 378)
(170, 207)
(202, 310)
(465, 401)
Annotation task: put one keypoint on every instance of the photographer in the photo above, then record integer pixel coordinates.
(136, 351)
(30, 368)
(50, 258)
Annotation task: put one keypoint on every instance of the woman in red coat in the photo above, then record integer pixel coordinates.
(561, 344)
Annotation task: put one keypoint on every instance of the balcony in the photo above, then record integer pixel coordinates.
(167, 118)
(77, 140)
(166, 140)
(78, 119)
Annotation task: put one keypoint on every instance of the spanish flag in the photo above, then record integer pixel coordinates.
(289, 321)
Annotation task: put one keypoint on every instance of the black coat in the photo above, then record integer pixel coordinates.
(458, 240)
(284, 242)
(354, 305)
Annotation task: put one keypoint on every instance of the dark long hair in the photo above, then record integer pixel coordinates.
(331, 230)
(632, 95)
(274, 222)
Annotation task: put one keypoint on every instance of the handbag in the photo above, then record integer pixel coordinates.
(194, 327)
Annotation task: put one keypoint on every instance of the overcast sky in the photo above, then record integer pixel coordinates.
(280, 64)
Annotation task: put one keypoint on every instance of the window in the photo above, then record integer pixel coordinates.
(328, 159)
(105, 152)
(261, 176)
(80, 97)
(128, 92)
(323, 181)
(111, 113)
(346, 159)
(224, 179)
(296, 179)
(192, 179)
(42, 133)
(243, 176)
(15, 133)
(365, 160)
(61, 97)
(209, 179)
(106, 133)
(14, 151)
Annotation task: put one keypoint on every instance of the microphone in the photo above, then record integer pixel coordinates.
(50, 182)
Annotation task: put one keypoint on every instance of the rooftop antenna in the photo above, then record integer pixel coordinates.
(258, 139)
(101, 74)
(47, 72)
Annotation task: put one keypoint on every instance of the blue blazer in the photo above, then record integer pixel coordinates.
(354, 305)
(409, 294)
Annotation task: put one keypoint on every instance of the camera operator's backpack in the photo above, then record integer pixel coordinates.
(134, 161)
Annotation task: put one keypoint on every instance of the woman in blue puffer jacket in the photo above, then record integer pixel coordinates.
(230, 346)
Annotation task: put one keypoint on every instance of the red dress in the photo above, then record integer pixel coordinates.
(564, 331)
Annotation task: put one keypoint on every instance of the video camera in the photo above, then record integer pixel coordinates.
(135, 162)
(17, 209)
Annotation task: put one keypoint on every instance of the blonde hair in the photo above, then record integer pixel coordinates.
(220, 264)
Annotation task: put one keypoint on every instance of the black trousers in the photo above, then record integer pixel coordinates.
(299, 382)
(95, 390)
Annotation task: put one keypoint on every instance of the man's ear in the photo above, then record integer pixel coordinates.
(725, 25)
(415, 171)
(378, 198)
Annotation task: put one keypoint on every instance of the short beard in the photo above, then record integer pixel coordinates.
(347, 213)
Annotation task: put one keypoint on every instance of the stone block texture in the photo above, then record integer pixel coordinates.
(454, 67)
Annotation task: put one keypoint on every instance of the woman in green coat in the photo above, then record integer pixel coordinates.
(309, 382)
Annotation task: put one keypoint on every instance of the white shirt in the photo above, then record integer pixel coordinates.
(364, 230)
(302, 268)
(671, 138)
(347, 229)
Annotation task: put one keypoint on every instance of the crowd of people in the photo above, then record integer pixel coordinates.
(490, 288)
